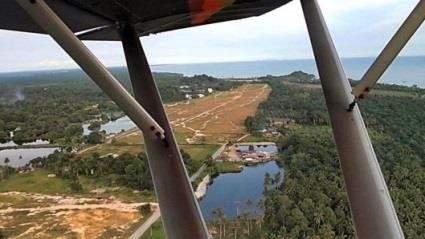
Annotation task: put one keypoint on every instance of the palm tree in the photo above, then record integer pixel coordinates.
(317, 218)
(6, 162)
(259, 215)
(218, 212)
(277, 178)
(238, 204)
(267, 182)
(248, 205)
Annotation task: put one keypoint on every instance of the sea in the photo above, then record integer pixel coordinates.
(407, 70)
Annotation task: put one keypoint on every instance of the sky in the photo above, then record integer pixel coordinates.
(360, 28)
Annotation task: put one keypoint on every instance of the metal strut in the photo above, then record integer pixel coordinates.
(371, 206)
(391, 50)
(44, 16)
(179, 208)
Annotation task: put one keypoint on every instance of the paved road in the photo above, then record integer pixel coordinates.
(197, 173)
(146, 225)
(218, 152)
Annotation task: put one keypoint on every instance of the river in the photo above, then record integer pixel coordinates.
(231, 191)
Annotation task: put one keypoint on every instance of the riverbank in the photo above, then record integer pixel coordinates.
(201, 190)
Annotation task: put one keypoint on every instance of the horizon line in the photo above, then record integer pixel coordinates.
(196, 63)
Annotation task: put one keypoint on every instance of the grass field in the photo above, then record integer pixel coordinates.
(155, 232)
(36, 181)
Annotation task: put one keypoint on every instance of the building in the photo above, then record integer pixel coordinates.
(256, 152)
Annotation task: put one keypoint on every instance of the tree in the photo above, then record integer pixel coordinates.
(2, 235)
(145, 209)
(219, 214)
(73, 131)
(75, 185)
(94, 126)
(94, 138)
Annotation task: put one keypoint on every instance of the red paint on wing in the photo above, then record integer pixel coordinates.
(202, 10)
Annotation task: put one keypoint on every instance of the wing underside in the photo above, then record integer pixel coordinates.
(99, 19)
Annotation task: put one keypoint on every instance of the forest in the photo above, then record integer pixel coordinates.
(312, 203)
(53, 105)
(126, 170)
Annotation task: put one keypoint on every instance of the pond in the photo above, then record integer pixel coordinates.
(20, 157)
(231, 191)
(36, 142)
(113, 127)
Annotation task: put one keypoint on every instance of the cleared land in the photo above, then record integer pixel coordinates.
(214, 118)
(31, 215)
(220, 115)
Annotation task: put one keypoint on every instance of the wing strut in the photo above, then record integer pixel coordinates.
(371, 206)
(44, 16)
(179, 208)
(391, 50)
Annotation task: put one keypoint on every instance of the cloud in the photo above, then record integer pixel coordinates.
(50, 63)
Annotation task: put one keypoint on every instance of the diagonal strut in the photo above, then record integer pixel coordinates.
(179, 208)
(391, 50)
(373, 212)
(44, 16)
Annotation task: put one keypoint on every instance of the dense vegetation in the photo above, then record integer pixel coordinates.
(126, 170)
(312, 202)
(53, 105)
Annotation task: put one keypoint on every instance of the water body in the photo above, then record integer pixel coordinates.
(20, 157)
(404, 70)
(37, 142)
(232, 189)
(113, 127)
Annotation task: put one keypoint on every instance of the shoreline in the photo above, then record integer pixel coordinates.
(201, 189)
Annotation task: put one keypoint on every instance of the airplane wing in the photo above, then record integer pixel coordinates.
(98, 20)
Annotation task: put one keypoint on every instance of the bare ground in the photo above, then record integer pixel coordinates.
(30, 215)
